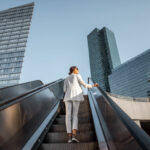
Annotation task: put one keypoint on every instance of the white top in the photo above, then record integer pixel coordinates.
(73, 89)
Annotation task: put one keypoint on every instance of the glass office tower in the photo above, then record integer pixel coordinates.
(103, 55)
(131, 78)
(14, 29)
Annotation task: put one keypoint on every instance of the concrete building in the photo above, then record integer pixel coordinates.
(14, 30)
(138, 109)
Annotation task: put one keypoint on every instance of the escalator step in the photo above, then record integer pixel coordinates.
(62, 127)
(62, 137)
(80, 120)
(84, 113)
(85, 103)
(70, 146)
(81, 115)
(84, 108)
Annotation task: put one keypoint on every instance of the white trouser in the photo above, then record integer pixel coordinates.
(72, 108)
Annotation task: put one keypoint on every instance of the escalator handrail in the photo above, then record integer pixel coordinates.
(8, 102)
(142, 138)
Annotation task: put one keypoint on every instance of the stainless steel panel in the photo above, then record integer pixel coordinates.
(19, 121)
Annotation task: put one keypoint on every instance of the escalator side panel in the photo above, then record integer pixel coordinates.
(19, 121)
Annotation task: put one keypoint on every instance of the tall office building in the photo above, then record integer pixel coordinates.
(103, 55)
(14, 29)
(131, 78)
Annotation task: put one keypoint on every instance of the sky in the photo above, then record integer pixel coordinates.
(59, 29)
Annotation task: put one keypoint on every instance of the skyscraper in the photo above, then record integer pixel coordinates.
(14, 30)
(103, 55)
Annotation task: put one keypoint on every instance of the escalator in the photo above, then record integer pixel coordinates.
(56, 137)
(34, 118)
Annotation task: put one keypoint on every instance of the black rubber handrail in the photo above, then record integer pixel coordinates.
(142, 138)
(8, 102)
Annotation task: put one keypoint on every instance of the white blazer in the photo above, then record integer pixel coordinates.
(73, 89)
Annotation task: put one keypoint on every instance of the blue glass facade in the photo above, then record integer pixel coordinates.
(14, 30)
(131, 78)
(103, 55)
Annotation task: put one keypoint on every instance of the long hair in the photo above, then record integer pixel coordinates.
(72, 69)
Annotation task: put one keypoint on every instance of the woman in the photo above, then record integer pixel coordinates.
(73, 97)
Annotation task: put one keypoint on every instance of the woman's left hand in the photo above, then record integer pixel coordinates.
(96, 84)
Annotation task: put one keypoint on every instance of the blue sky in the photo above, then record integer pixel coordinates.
(59, 29)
